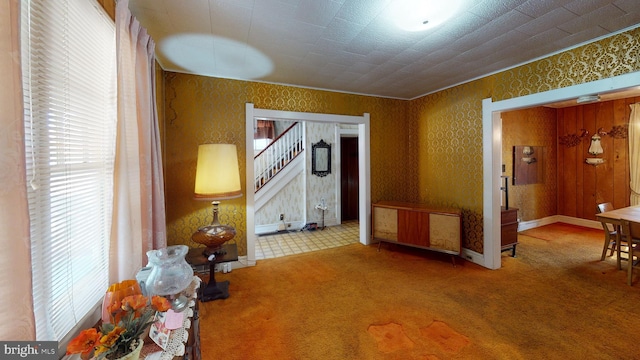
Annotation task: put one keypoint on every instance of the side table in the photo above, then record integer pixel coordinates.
(214, 290)
(509, 230)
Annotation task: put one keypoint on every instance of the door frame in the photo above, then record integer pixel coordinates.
(253, 114)
(492, 149)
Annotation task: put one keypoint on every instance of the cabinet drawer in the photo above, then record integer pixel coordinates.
(509, 234)
(509, 216)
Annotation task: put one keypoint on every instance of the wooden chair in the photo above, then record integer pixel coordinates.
(610, 233)
(630, 233)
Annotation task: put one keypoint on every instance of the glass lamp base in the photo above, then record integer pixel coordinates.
(213, 236)
(179, 302)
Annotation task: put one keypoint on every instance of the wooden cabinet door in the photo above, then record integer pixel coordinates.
(385, 223)
(445, 232)
(413, 227)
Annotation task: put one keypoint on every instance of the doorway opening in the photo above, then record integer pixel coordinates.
(492, 149)
(348, 178)
(364, 194)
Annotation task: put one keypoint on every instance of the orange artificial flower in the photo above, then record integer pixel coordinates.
(114, 307)
(84, 343)
(160, 303)
(134, 302)
(131, 317)
(111, 338)
(100, 350)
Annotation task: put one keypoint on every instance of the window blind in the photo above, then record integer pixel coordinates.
(69, 80)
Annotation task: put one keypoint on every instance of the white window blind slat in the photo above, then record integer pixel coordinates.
(70, 116)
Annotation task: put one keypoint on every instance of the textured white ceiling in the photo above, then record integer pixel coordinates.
(350, 46)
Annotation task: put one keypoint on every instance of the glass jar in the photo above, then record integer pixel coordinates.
(170, 273)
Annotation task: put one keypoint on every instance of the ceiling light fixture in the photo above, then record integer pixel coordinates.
(410, 15)
(588, 99)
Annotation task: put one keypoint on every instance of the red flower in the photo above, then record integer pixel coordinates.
(84, 343)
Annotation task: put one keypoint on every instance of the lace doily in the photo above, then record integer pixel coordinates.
(178, 337)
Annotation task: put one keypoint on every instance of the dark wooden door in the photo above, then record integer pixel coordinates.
(349, 180)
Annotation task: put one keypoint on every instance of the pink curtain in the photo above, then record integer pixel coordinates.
(139, 212)
(265, 129)
(15, 258)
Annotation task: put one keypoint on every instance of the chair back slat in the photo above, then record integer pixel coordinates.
(604, 207)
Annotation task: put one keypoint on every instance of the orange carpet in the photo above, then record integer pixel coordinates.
(555, 300)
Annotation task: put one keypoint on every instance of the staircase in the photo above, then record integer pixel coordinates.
(280, 159)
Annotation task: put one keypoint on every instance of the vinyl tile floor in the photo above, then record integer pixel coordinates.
(296, 242)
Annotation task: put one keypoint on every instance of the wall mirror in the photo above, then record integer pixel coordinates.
(321, 158)
(528, 164)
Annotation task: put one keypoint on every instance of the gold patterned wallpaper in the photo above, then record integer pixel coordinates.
(613, 56)
(428, 149)
(201, 110)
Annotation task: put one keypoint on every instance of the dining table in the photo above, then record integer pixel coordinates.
(615, 217)
(629, 213)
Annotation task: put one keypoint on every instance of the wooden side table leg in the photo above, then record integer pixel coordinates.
(214, 290)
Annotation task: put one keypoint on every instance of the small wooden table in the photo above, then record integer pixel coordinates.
(214, 290)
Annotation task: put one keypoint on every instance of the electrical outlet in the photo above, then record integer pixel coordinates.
(281, 216)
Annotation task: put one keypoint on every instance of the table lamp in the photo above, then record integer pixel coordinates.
(217, 178)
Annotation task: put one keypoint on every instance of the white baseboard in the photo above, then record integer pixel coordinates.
(269, 228)
(474, 257)
(526, 225)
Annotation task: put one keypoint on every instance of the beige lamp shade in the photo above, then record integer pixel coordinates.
(217, 173)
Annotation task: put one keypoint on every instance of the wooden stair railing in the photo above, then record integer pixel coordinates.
(278, 154)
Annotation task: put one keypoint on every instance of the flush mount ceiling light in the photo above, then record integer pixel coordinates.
(588, 99)
(419, 15)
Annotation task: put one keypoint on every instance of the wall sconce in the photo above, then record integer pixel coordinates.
(595, 148)
(527, 151)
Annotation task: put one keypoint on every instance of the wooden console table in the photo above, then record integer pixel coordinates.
(418, 225)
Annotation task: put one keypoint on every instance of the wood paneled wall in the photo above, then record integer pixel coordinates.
(582, 186)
